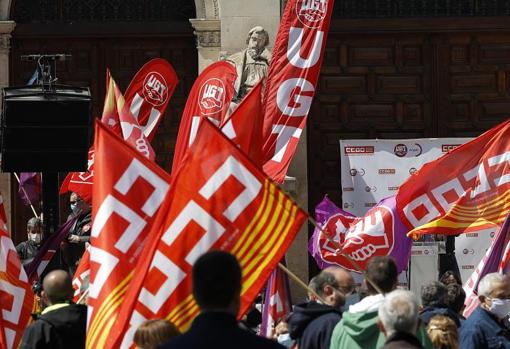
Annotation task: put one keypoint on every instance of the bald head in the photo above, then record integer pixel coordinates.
(333, 284)
(57, 287)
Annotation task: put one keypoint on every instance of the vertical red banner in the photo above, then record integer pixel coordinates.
(293, 76)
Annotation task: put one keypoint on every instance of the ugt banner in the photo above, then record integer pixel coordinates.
(292, 78)
(209, 98)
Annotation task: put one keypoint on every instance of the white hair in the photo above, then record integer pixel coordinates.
(399, 312)
(489, 281)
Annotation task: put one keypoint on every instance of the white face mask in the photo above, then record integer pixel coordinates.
(500, 307)
(36, 238)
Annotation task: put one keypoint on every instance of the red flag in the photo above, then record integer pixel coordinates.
(277, 302)
(16, 296)
(467, 189)
(227, 204)
(149, 92)
(244, 127)
(292, 78)
(82, 272)
(115, 106)
(81, 182)
(124, 205)
(209, 97)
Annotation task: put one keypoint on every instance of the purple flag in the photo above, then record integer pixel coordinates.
(277, 302)
(47, 250)
(29, 187)
(493, 261)
(380, 232)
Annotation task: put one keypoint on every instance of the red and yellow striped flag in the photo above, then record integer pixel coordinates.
(466, 190)
(218, 200)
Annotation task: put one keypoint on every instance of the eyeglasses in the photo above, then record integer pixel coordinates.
(345, 290)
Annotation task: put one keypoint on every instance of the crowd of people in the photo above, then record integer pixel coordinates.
(337, 314)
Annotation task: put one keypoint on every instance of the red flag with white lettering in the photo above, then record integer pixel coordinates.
(124, 205)
(465, 190)
(16, 296)
(292, 79)
(227, 204)
(149, 92)
(209, 98)
(244, 127)
(81, 273)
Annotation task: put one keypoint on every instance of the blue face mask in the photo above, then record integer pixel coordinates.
(350, 300)
(74, 207)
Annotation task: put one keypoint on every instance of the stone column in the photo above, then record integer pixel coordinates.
(6, 28)
(208, 33)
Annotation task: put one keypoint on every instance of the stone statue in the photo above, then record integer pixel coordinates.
(252, 63)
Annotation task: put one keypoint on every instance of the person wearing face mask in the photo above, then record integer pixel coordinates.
(312, 323)
(485, 327)
(28, 249)
(79, 235)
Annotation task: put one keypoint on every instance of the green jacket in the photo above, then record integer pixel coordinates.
(360, 331)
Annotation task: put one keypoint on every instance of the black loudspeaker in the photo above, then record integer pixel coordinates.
(45, 131)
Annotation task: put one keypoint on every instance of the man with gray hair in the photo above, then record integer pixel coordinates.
(398, 320)
(485, 328)
(434, 298)
(312, 323)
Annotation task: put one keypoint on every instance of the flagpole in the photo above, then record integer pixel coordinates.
(26, 195)
(338, 251)
(83, 295)
(300, 282)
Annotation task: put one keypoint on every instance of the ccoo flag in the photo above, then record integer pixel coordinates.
(228, 204)
(467, 189)
(124, 205)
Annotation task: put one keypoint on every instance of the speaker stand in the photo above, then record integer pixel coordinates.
(50, 202)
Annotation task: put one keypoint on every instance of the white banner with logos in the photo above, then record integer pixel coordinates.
(372, 170)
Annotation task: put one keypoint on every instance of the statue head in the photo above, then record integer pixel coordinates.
(257, 40)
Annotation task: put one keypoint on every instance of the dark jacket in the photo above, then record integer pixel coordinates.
(26, 251)
(429, 312)
(60, 328)
(219, 330)
(312, 325)
(74, 251)
(402, 340)
(482, 330)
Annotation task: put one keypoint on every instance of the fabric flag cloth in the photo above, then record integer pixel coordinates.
(493, 261)
(16, 296)
(228, 204)
(115, 107)
(29, 187)
(277, 302)
(209, 98)
(81, 182)
(47, 250)
(466, 190)
(149, 92)
(155, 82)
(292, 79)
(379, 232)
(124, 204)
(244, 126)
(81, 273)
